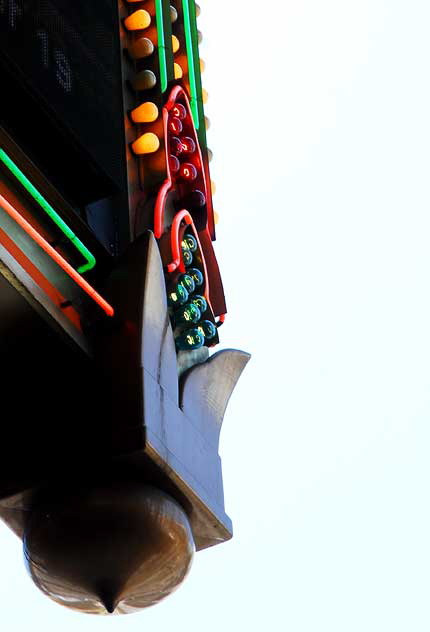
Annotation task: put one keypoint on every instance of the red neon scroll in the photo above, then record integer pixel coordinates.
(176, 93)
(177, 261)
(176, 246)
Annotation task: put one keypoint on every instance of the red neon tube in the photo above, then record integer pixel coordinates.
(28, 228)
(174, 238)
(221, 320)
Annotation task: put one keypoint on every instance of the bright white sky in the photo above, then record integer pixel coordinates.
(321, 139)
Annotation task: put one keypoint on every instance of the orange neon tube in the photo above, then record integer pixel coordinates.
(28, 228)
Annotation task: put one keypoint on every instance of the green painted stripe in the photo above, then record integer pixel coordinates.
(191, 66)
(44, 204)
(161, 44)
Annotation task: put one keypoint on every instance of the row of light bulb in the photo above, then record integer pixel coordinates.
(141, 47)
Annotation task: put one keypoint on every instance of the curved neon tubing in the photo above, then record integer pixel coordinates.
(28, 228)
(167, 185)
(185, 216)
(44, 204)
(174, 238)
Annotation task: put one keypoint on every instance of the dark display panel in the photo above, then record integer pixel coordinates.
(61, 98)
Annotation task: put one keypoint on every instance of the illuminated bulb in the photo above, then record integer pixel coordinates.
(188, 282)
(200, 301)
(177, 296)
(207, 123)
(189, 314)
(190, 242)
(178, 71)
(140, 48)
(175, 44)
(205, 96)
(175, 145)
(144, 113)
(146, 144)
(208, 329)
(175, 125)
(188, 171)
(202, 65)
(173, 164)
(213, 187)
(197, 10)
(188, 145)
(190, 339)
(144, 80)
(187, 258)
(216, 217)
(197, 276)
(138, 20)
(173, 14)
(179, 111)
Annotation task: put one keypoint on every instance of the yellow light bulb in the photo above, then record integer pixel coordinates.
(144, 80)
(141, 47)
(138, 20)
(146, 144)
(207, 123)
(198, 11)
(145, 113)
(175, 44)
(178, 71)
(216, 217)
(213, 187)
(205, 96)
(202, 65)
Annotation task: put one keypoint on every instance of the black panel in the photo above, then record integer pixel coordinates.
(60, 70)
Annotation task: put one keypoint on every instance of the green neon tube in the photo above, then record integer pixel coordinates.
(161, 43)
(191, 66)
(44, 204)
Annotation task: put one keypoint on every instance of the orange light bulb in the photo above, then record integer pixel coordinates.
(146, 144)
(138, 20)
(202, 65)
(145, 113)
(205, 96)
